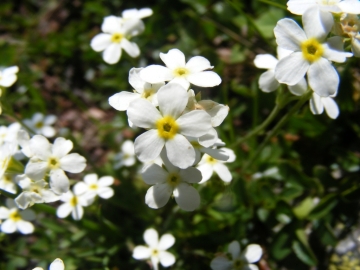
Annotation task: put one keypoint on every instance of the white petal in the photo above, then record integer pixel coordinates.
(317, 23)
(267, 81)
(111, 24)
(135, 80)
(80, 188)
(153, 174)
(166, 258)
(333, 53)
(4, 212)
(148, 145)
(77, 212)
(73, 163)
(151, 237)
(144, 12)
(112, 53)
(195, 123)
(61, 147)
(351, 7)
(59, 182)
(48, 131)
(10, 70)
(64, 210)
(121, 101)
(234, 249)
(197, 64)
(298, 89)
(220, 263)
(50, 119)
(131, 48)
(252, 267)
(166, 241)
(206, 172)
(105, 192)
(180, 151)
(204, 79)
(8, 226)
(36, 169)
(289, 34)
(106, 181)
(223, 172)
(187, 197)
(316, 105)
(218, 154)
(57, 264)
(323, 78)
(355, 47)
(28, 215)
(8, 80)
(25, 227)
(40, 146)
(299, 6)
(157, 196)
(91, 178)
(281, 52)
(143, 114)
(218, 114)
(266, 61)
(141, 253)
(181, 81)
(172, 99)
(331, 108)
(291, 69)
(173, 59)
(100, 42)
(156, 74)
(190, 175)
(253, 253)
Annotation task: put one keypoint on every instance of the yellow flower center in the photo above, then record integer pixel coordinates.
(238, 264)
(39, 124)
(116, 38)
(211, 160)
(7, 178)
(154, 252)
(93, 186)
(312, 50)
(148, 94)
(181, 72)
(53, 163)
(173, 179)
(15, 216)
(167, 127)
(73, 201)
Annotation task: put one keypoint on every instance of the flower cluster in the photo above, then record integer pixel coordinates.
(179, 126)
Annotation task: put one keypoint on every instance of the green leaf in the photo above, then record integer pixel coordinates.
(304, 208)
(324, 207)
(303, 253)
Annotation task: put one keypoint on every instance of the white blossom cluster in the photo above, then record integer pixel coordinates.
(305, 56)
(180, 127)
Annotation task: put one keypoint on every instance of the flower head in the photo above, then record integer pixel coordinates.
(335, 6)
(57, 264)
(93, 186)
(156, 249)
(42, 124)
(127, 155)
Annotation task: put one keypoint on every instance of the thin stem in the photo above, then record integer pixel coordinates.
(273, 4)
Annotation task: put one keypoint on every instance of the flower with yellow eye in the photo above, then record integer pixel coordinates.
(167, 127)
(310, 55)
(16, 220)
(156, 249)
(57, 264)
(93, 186)
(115, 38)
(195, 71)
(42, 124)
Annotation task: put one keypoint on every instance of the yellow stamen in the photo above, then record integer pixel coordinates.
(167, 127)
(73, 201)
(180, 72)
(116, 38)
(93, 186)
(53, 163)
(312, 50)
(15, 216)
(211, 160)
(173, 179)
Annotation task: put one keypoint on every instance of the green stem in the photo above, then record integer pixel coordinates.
(273, 132)
(273, 4)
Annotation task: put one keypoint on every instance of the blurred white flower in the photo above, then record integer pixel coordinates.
(178, 71)
(208, 165)
(167, 127)
(93, 186)
(156, 249)
(9, 134)
(74, 204)
(335, 6)
(42, 124)
(57, 264)
(33, 192)
(240, 261)
(54, 158)
(171, 180)
(7, 182)
(16, 220)
(127, 155)
(8, 76)
(115, 38)
(136, 14)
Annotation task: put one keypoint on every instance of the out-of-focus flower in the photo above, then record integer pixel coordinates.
(42, 124)
(167, 127)
(116, 37)
(349, 25)
(93, 186)
(335, 6)
(33, 192)
(171, 180)
(7, 183)
(54, 158)
(7, 78)
(73, 203)
(16, 220)
(57, 264)
(178, 71)
(156, 250)
(209, 164)
(9, 134)
(240, 261)
(127, 155)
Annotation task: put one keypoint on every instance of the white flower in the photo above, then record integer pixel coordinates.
(168, 127)
(127, 155)
(311, 54)
(121, 101)
(173, 180)
(9, 134)
(350, 25)
(136, 14)
(336, 6)
(33, 192)
(156, 250)
(57, 264)
(208, 165)
(7, 183)
(116, 37)
(15, 219)
(74, 203)
(42, 125)
(240, 261)
(8, 76)
(93, 186)
(53, 158)
(177, 71)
